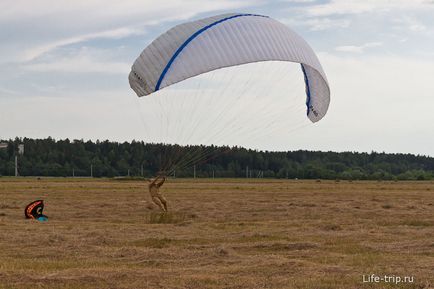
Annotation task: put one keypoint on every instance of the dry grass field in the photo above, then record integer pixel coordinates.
(104, 233)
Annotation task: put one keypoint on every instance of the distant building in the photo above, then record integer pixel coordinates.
(21, 149)
(3, 145)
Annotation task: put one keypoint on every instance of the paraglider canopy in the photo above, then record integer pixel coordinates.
(34, 211)
(204, 45)
(234, 79)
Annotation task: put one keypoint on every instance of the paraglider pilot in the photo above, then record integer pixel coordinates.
(154, 189)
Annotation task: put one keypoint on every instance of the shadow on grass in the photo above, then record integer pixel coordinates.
(169, 217)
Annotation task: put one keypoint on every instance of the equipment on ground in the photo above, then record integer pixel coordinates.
(34, 211)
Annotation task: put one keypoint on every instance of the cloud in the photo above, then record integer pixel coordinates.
(80, 60)
(35, 52)
(98, 115)
(356, 6)
(5, 91)
(49, 25)
(417, 27)
(300, 1)
(80, 64)
(358, 49)
(12, 10)
(372, 103)
(411, 23)
(317, 23)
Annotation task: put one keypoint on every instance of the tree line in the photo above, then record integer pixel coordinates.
(50, 157)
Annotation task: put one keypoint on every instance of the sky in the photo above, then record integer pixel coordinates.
(64, 67)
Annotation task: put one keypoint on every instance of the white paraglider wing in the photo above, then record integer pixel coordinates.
(228, 40)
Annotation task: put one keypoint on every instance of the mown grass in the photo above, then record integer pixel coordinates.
(226, 233)
(168, 218)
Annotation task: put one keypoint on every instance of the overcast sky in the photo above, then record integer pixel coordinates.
(64, 67)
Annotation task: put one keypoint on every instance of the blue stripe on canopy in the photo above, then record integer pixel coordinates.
(306, 80)
(197, 33)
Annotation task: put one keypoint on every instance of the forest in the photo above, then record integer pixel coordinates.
(65, 158)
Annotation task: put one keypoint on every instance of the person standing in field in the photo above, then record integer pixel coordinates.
(154, 189)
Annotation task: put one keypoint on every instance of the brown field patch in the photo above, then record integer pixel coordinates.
(234, 233)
